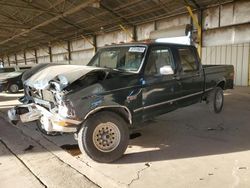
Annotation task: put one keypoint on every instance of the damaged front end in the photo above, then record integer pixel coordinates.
(46, 94)
(50, 119)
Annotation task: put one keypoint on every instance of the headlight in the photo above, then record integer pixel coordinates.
(63, 80)
(63, 111)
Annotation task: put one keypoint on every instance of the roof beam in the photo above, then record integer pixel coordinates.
(24, 7)
(194, 2)
(123, 20)
(68, 12)
(13, 25)
(65, 20)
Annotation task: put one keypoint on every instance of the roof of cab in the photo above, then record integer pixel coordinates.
(146, 43)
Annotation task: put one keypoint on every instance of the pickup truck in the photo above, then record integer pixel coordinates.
(121, 87)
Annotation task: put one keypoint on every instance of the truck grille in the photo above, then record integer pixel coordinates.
(48, 96)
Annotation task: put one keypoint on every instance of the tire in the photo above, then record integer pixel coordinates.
(104, 137)
(42, 130)
(13, 88)
(216, 100)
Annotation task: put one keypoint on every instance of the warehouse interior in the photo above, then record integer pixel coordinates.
(190, 147)
(34, 32)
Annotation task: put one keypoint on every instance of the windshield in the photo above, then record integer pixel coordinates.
(126, 58)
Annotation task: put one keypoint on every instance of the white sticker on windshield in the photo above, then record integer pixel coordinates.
(136, 49)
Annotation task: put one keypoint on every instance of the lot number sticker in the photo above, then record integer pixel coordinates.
(137, 49)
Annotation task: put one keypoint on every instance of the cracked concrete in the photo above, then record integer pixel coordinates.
(139, 172)
(14, 172)
(186, 148)
(49, 170)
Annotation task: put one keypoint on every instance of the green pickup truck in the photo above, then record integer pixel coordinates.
(121, 87)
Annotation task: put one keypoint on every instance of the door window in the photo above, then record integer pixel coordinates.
(158, 58)
(187, 60)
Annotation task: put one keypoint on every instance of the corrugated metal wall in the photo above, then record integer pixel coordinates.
(237, 55)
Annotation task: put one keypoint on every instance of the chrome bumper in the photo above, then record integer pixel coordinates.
(50, 121)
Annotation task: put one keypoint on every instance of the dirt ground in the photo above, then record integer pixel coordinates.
(190, 147)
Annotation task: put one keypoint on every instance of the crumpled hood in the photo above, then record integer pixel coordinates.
(5, 76)
(63, 73)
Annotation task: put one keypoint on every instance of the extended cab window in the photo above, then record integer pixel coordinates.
(158, 58)
(187, 60)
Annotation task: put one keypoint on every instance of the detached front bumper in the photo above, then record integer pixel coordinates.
(52, 122)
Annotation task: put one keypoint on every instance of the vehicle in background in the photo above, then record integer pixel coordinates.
(122, 87)
(11, 78)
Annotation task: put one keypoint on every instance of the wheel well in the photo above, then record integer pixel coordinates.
(221, 84)
(121, 111)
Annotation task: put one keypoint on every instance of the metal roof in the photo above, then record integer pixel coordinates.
(29, 23)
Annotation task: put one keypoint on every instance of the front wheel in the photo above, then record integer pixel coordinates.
(104, 137)
(216, 100)
(13, 88)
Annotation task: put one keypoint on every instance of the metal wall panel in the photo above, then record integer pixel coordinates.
(236, 55)
(245, 65)
(143, 31)
(81, 57)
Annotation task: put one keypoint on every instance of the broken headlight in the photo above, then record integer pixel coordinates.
(66, 110)
(60, 83)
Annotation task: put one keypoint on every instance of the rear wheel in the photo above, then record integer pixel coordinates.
(216, 100)
(104, 137)
(13, 88)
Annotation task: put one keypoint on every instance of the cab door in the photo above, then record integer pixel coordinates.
(191, 75)
(160, 87)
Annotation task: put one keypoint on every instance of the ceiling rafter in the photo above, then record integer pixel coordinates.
(123, 20)
(68, 12)
(65, 20)
(7, 4)
(28, 16)
(45, 10)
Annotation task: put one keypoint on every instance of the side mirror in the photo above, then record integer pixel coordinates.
(166, 70)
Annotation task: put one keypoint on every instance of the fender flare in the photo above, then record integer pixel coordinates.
(221, 81)
(108, 107)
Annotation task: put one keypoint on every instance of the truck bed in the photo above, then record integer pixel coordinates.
(216, 73)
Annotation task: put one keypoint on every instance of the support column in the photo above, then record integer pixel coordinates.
(94, 43)
(16, 59)
(134, 34)
(197, 23)
(36, 60)
(8, 60)
(69, 51)
(50, 54)
(24, 56)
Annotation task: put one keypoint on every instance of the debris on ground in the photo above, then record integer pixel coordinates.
(30, 147)
(74, 149)
(218, 128)
(147, 164)
(134, 135)
(242, 168)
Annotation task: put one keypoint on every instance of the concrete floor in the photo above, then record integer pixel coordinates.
(190, 147)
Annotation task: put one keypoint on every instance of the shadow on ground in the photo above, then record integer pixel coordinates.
(185, 133)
